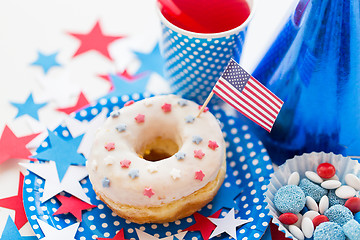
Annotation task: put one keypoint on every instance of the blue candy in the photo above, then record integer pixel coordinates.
(352, 229)
(334, 200)
(329, 231)
(311, 189)
(357, 217)
(290, 198)
(339, 214)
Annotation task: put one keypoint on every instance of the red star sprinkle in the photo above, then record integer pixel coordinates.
(95, 40)
(199, 175)
(14, 147)
(110, 146)
(72, 205)
(128, 103)
(213, 145)
(205, 109)
(203, 224)
(148, 192)
(118, 236)
(81, 102)
(125, 163)
(16, 203)
(199, 154)
(166, 107)
(140, 118)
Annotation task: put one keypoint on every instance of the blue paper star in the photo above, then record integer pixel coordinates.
(197, 139)
(122, 86)
(46, 61)
(28, 107)
(12, 233)
(63, 153)
(180, 155)
(152, 61)
(225, 198)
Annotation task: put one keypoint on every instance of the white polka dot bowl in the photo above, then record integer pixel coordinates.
(301, 164)
(195, 61)
(248, 170)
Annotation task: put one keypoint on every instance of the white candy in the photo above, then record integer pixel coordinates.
(353, 181)
(311, 204)
(294, 179)
(307, 227)
(313, 177)
(311, 214)
(345, 192)
(323, 204)
(296, 232)
(298, 222)
(331, 184)
(335, 177)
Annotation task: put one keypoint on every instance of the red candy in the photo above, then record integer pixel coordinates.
(326, 170)
(288, 218)
(319, 219)
(353, 204)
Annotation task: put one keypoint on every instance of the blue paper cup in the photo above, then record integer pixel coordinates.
(195, 61)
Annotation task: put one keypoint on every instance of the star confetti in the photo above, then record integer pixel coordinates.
(225, 198)
(28, 107)
(52, 233)
(227, 224)
(152, 61)
(10, 232)
(199, 154)
(121, 86)
(145, 236)
(16, 203)
(12, 146)
(203, 224)
(63, 153)
(72, 205)
(123, 75)
(118, 236)
(148, 192)
(199, 175)
(46, 62)
(95, 40)
(81, 103)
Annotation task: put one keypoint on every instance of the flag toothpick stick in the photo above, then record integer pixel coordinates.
(205, 103)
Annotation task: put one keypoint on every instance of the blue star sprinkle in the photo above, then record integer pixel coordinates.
(46, 61)
(134, 173)
(123, 86)
(182, 103)
(180, 155)
(115, 114)
(105, 182)
(28, 107)
(152, 61)
(189, 119)
(12, 233)
(63, 153)
(197, 139)
(121, 127)
(225, 198)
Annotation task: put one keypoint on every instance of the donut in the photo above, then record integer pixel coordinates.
(155, 161)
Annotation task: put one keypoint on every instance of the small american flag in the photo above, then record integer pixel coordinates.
(248, 96)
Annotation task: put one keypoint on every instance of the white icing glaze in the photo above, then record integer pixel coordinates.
(170, 179)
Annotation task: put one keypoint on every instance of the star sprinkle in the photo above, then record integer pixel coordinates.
(105, 182)
(128, 103)
(140, 118)
(81, 103)
(121, 86)
(28, 107)
(180, 155)
(115, 114)
(70, 182)
(109, 160)
(121, 127)
(152, 61)
(175, 173)
(12, 146)
(125, 163)
(189, 119)
(118, 236)
(46, 62)
(148, 192)
(10, 232)
(95, 40)
(134, 173)
(152, 168)
(63, 153)
(110, 146)
(182, 103)
(166, 107)
(213, 145)
(203, 224)
(199, 175)
(227, 224)
(72, 205)
(16, 203)
(205, 109)
(52, 233)
(199, 154)
(145, 236)
(197, 139)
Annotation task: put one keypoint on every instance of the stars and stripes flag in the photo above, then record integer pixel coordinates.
(248, 95)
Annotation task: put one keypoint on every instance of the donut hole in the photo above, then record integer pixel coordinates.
(159, 149)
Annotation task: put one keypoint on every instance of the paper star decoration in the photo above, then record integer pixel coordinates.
(12, 146)
(52, 233)
(225, 198)
(72, 205)
(46, 62)
(152, 61)
(145, 236)
(28, 107)
(53, 186)
(118, 236)
(121, 86)
(227, 224)
(81, 103)
(63, 153)
(95, 40)
(16, 203)
(12, 233)
(123, 75)
(203, 224)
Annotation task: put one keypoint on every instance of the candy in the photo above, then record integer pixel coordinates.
(333, 199)
(311, 204)
(307, 227)
(323, 204)
(298, 222)
(329, 231)
(311, 214)
(313, 190)
(326, 170)
(345, 192)
(294, 179)
(289, 198)
(296, 232)
(331, 184)
(353, 204)
(352, 230)
(353, 181)
(313, 177)
(288, 218)
(339, 214)
(319, 219)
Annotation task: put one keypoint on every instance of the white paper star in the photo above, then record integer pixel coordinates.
(145, 236)
(75, 127)
(53, 186)
(175, 173)
(227, 224)
(52, 233)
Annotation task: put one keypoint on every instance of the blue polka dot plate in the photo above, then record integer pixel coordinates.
(248, 170)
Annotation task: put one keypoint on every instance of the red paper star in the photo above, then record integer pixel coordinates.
(213, 145)
(95, 40)
(125, 163)
(81, 102)
(127, 76)
(205, 109)
(140, 118)
(203, 224)
(199, 175)
(72, 205)
(118, 236)
(148, 192)
(199, 154)
(128, 103)
(166, 107)
(14, 147)
(110, 146)
(16, 203)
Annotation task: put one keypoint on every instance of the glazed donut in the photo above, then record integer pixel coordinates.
(155, 161)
